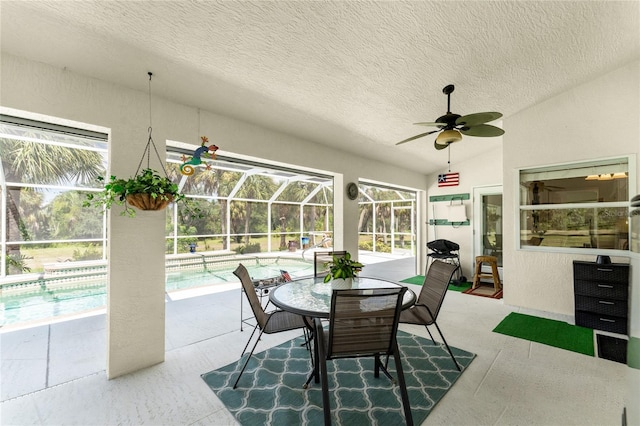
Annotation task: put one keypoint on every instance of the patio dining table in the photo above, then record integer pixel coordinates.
(311, 298)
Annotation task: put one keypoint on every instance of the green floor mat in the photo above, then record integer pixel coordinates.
(461, 287)
(419, 280)
(549, 332)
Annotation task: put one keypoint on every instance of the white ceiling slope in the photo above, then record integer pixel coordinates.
(354, 75)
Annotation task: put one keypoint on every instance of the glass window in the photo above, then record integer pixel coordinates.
(46, 171)
(580, 205)
(247, 207)
(387, 220)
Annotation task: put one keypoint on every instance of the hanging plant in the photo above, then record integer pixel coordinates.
(147, 190)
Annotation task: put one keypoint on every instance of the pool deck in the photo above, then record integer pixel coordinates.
(68, 348)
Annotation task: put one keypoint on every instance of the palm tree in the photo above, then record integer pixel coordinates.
(66, 218)
(256, 187)
(209, 183)
(40, 163)
(296, 192)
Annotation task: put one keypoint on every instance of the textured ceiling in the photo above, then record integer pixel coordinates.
(354, 75)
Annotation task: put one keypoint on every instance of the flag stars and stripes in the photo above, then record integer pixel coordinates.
(448, 179)
(285, 276)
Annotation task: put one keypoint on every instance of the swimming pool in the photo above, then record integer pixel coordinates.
(73, 293)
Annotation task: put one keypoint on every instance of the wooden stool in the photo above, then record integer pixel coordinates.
(493, 261)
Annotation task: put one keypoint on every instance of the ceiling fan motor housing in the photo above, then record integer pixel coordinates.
(448, 120)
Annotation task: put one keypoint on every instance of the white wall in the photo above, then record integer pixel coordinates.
(598, 119)
(483, 170)
(594, 120)
(135, 312)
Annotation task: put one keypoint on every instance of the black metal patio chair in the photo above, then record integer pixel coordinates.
(426, 309)
(363, 323)
(268, 322)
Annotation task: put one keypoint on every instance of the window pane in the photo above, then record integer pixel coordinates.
(37, 156)
(235, 196)
(46, 167)
(52, 257)
(257, 188)
(209, 223)
(575, 184)
(562, 186)
(315, 218)
(51, 215)
(604, 228)
(286, 217)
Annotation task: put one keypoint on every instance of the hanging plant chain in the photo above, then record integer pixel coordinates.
(150, 142)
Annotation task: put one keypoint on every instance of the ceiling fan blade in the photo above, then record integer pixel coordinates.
(438, 146)
(482, 130)
(432, 124)
(417, 137)
(477, 118)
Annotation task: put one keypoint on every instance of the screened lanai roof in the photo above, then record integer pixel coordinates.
(240, 179)
(371, 193)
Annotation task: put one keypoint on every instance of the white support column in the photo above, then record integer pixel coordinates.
(136, 273)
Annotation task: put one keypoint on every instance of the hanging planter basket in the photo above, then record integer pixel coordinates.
(148, 189)
(145, 201)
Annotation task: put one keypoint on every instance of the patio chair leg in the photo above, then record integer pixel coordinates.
(321, 361)
(249, 341)
(379, 366)
(403, 386)
(430, 335)
(448, 348)
(248, 358)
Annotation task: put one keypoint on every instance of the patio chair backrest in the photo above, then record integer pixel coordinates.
(250, 291)
(435, 286)
(364, 322)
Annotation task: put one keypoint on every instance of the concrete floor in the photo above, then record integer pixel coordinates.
(54, 374)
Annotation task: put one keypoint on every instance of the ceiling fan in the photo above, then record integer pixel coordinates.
(453, 126)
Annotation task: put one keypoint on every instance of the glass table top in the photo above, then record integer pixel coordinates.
(312, 297)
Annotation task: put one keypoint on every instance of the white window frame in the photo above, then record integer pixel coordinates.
(519, 207)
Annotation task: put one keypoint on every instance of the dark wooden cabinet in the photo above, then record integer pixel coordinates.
(601, 294)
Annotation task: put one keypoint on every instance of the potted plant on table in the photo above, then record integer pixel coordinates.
(342, 267)
(146, 191)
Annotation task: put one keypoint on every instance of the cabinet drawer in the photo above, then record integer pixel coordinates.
(597, 305)
(602, 322)
(607, 272)
(608, 290)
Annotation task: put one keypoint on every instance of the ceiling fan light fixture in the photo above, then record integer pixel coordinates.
(605, 176)
(592, 177)
(452, 126)
(448, 136)
(619, 175)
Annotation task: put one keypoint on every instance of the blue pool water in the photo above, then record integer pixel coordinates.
(44, 302)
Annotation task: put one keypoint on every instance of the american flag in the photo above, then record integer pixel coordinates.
(285, 276)
(448, 179)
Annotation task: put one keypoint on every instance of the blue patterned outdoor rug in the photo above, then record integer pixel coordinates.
(270, 390)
